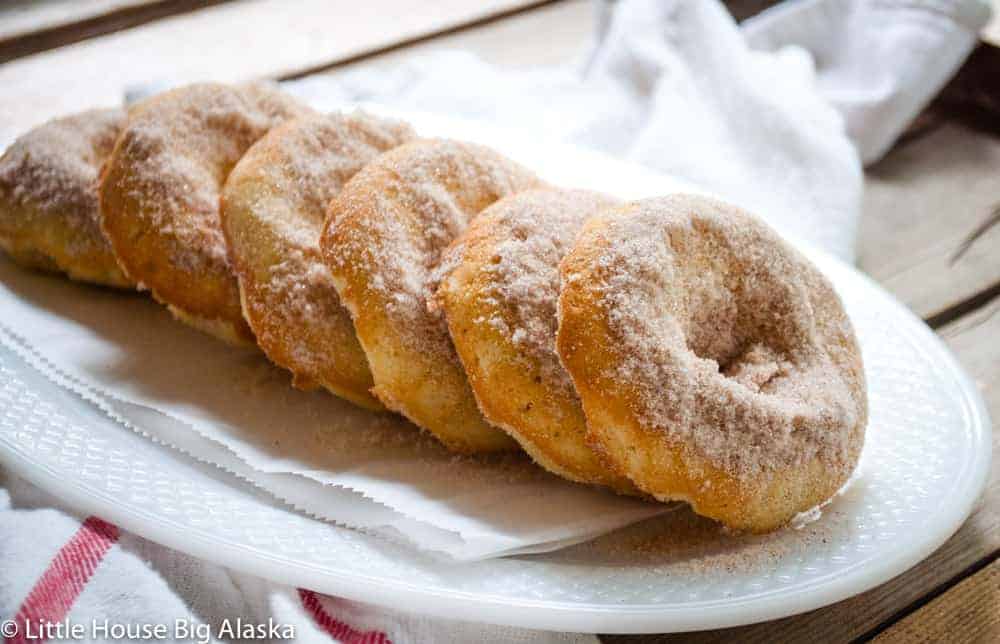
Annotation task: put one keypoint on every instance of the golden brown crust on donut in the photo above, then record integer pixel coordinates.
(160, 195)
(273, 206)
(499, 295)
(383, 238)
(715, 364)
(48, 197)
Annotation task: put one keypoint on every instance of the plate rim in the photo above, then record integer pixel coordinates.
(558, 615)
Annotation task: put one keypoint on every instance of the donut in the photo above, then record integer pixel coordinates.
(382, 241)
(715, 364)
(48, 197)
(273, 207)
(160, 192)
(499, 295)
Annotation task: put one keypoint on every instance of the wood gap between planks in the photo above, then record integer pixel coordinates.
(431, 35)
(46, 39)
(928, 597)
(964, 307)
(119, 19)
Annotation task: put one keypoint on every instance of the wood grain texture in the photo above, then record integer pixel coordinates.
(246, 39)
(970, 612)
(921, 202)
(81, 25)
(552, 34)
(20, 17)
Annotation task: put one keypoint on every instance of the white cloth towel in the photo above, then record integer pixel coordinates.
(879, 62)
(757, 115)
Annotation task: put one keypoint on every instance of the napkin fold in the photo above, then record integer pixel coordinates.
(777, 116)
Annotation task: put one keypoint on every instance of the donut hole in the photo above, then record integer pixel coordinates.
(735, 312)
(765, 336)
(756, 368)
(752, 363)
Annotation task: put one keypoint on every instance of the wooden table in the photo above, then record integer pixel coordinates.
(923, 202)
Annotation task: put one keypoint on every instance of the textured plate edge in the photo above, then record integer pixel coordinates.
(635, 618)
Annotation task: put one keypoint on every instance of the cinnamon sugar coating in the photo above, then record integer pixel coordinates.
(499, 291)
(160, 195)
(48, 197)
(715, 364)
(674, 346)
(383, 240)
(273, 207)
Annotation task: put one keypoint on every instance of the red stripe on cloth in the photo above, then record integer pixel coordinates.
(336, 628)
(68, 572)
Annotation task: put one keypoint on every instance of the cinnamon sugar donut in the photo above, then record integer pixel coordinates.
(499, 291)
(384, 236)
(160, 195)
(273, 206)
(715, 364)
(48, 197)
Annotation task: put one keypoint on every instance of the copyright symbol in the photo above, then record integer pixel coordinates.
(8, 628)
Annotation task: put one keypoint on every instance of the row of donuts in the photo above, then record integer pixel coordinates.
(673, 347)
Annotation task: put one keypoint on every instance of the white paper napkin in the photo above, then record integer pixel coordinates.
(231, 407)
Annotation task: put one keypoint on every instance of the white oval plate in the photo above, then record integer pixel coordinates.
(926, 460)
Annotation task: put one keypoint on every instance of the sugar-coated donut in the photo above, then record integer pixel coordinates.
(715, 364)
(499, 289)
(48, 197)
(383, 239)
(273, 207)
(160, 195)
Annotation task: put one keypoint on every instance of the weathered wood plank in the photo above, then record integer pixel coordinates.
(247, 39)
(60, 23)
(974, 340)
(21, 17)
(921, 202)
(552, 34)
(970, 612)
